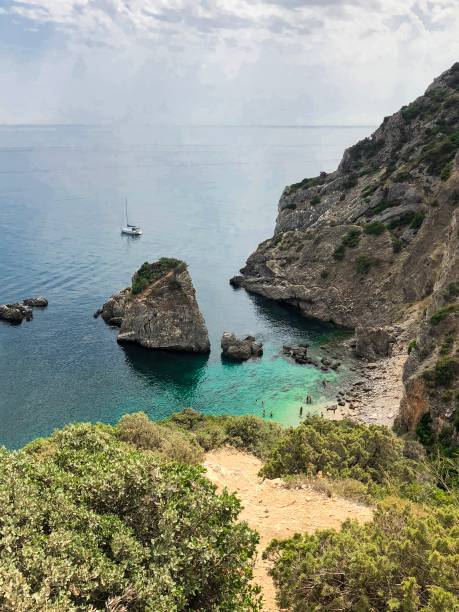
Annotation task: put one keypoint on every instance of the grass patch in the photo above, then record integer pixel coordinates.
(442, 313)
(151, 272)
(364, 263)
(375, 228)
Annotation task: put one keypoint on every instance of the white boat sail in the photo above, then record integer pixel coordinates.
(131, 230)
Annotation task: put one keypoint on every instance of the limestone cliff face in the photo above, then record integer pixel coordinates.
(160, 310)
(359, 245)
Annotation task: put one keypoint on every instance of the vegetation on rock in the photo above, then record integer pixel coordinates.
(150, 272)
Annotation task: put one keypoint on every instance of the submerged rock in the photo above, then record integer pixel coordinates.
(240, 348)
(159, 310)
(300, 354)
(15, 313)
(36, 302)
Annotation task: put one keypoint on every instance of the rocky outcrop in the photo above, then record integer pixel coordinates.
(15, 313)
(36, 302)
(159, 310)
(359, 245)
(373, 342)
(240, 349)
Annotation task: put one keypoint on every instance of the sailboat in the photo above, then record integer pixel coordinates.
(130, 230)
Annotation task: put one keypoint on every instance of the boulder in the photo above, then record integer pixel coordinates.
(36, 302)
(240, 349)
(299, 354)
(373, 342)
(15, 313)
(159, 310)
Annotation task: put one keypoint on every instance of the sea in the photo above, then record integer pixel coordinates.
(204, 194)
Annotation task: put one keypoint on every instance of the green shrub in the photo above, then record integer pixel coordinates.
(324, 274)
(417, 220)
(350, 181)
(442, 313)
(452, 291)
(376, 228)
(446, 171)
(411, 346)
(402, 560)
(444, 372)
(91, 523)
(402, 220)
(339, 252)
(315, 200)
(150, 272)
(352, 238)
(137, 429)
(339, 449)
(290, 206)
(364, 263)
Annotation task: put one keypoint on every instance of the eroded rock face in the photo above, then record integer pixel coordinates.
(240, 349)
(373, 342)
(360, 244)
(160, 310)
(15, 313)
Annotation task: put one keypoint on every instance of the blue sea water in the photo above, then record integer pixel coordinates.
(206, 195)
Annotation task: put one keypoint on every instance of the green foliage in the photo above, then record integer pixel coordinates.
(442, 313)
(446, 171)
(364, 263)
(443, 373)
(150, 272)
(452, 291)
(324, 274)
(439, 153)
(411, 346)
(290, 206)
(402, 220)
(376, 228)
(369, 190)
(315, 200)
(352, 238)
(397, 244)
(368, 147)
(91, 523)
(402, 176)
(339, 252)
(350, 181)
(248, 432)
(417, 220)
(403, 560)
(424, 430)
(137, 429)
(339, 449)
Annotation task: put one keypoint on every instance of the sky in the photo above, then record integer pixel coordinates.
(220, 62)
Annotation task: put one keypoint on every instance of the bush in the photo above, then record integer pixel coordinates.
(417, 220)
(91, 523)
(150, 272)
(352, 238)
(339, 252)
(339, 449)
(137, 429)
(411, 346)
(442, 313)
(364, 263)
(315, 200)
(376, 228)
(444, 373)
(402, 560)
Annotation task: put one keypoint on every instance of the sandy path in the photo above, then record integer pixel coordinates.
(274, 511)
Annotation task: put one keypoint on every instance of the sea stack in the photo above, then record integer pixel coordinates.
(159, 310)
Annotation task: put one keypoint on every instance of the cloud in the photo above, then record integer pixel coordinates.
(220, 61)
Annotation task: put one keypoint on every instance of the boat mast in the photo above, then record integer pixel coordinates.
(127, 222)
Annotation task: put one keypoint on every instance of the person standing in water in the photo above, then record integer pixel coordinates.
(271, 414)
(301, 411)
(263, 408)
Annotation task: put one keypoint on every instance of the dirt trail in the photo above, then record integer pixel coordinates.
(273, 510)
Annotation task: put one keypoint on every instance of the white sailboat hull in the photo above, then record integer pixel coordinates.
(131, 231)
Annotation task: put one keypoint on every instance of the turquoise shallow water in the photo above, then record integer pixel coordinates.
(205, 195)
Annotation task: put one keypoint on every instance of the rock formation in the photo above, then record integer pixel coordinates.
(159, 310)
(373, 342)
(240, 349)
(377, 238)
(358, 245)
(36, 302)
(15, 313)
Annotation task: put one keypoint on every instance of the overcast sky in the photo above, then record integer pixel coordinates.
(220, 61)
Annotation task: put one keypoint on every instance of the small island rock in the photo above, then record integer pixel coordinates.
(36, 302)
(240, 348)
(15, 313)
(159, 310)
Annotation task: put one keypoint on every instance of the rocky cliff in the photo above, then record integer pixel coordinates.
(378, 238)
(159, 310)
(360, 244)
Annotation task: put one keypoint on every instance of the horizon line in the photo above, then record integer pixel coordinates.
(190, 125)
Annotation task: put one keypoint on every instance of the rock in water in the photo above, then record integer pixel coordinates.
(240, 348)
(373, 342)
(36, 302)
(15, 313)
(159, 310)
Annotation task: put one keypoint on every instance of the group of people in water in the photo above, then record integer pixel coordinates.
(308, 401)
